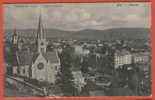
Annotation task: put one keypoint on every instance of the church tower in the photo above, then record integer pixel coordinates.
(20, 44)
(41, 38)
(15, 37)
(45, 64)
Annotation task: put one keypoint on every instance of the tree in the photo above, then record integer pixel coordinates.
(76, 61)
(92, 60)
(84, 66)
(66, 78)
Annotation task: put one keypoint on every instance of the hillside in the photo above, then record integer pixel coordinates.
(114, 34)
(109, 34)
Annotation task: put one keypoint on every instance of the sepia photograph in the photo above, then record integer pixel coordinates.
(77, 50)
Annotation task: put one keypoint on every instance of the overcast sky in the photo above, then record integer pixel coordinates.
(77, 16)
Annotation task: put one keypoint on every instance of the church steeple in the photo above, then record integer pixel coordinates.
(40, 31)
(41, 39)
(15, 37)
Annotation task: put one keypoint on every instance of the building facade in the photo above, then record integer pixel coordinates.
(122, 57)
(41, 65)
(141, 57)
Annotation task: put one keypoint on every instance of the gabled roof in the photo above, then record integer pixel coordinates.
(49, 56)
(52, 57)
(24, 57)
(35, 55)
(122, 52)
(13, 60)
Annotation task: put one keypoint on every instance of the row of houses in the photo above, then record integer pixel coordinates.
(123, 57)
(120, 56)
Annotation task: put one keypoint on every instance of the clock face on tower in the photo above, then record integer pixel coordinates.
(40, 66)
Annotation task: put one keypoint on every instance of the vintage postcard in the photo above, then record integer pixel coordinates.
(77, 50)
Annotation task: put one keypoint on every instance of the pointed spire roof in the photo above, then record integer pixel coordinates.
(15, 32)
(14, 35)
(40, 31)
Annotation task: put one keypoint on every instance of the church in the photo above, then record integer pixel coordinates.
(41, 64)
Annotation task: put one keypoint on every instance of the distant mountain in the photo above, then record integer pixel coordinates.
(50, 33)
(109, 34)
(114, 34)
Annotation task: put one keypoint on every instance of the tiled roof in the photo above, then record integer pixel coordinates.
(35, 55)
(24, 58)
(122, 52)
(14, 60)
(27, 58)
(51, 56)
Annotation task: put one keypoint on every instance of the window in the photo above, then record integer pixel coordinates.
(23, 71)
(56, 68)
(41, 43)
(40, 66)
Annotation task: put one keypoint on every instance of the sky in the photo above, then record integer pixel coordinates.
(78, 16)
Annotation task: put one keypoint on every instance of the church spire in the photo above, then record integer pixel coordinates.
(15, 37)
(40, 31)
(41, 39)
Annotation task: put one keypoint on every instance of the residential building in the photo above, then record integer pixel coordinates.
(79, 80)
(141, 57)
(122, 57)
